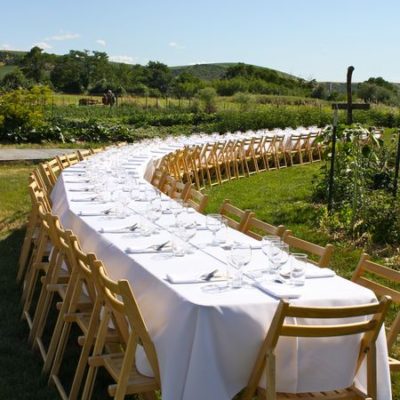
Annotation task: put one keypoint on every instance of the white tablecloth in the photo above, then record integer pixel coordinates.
(207, 342)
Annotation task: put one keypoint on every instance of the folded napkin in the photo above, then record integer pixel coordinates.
(80, 190)
(279, 290)
(69, 180)
(86, 199)
(91, 214)
(181, 278)
(144, 250)
(120, 230)
(312, 271)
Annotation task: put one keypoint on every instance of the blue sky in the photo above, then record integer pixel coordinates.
(313, 39)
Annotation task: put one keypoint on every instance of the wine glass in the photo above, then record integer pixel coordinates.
(267, 242)
(214, 223)
(240, 257)
(176, 207)
(278, 255)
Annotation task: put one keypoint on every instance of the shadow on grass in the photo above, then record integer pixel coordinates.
(20, 367)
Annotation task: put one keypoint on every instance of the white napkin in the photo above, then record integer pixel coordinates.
(312, 271)
(80, 189)
(85, 199)
(91, 214)
(279, 290)
(116, 230)
(144, 250)
(188, 277)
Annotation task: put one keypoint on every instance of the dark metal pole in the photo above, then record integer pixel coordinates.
(333, 155)
(349, 96)
(396, 170)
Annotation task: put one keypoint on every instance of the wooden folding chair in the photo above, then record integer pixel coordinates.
(284, 325)
(236, 218)
(47, 176)
(158, 178)
(270, 152)
(120, 306)
(195, 199)
(181, 190)
(63, 161)
(257, 228)
(84, 154)
(323, 254)
(315, 147)
(168, 185)
(55, 281)
(55, 169)
(280, 151)
(81, 307)
(258, 152)
(378, 278)
(38, 265)
(38, 197)
(73, 158)
(293, 150)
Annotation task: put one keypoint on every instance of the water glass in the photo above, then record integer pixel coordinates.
(240, 256)
(297, 270)
(214, 223)
(278, 256)
(266, 243)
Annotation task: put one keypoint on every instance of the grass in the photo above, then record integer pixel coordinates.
(282, 196)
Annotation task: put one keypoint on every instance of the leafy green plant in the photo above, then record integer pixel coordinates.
(22, 111)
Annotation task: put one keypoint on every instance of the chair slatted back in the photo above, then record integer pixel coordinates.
(120, 301)
(285, 323)
(237, 218)
(196, 200)
(180, 191)
(83, 154)
(169, 185)
(257, 228)
(324, 253)
(384, 281)
(158, 178)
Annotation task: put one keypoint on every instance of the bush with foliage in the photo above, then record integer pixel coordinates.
(22, 111)
(364, 206)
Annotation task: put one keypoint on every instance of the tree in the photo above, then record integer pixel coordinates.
(319, 92)
(14, 80)
(33, 64)
(158, 76)
(186, 85)
(208, 97)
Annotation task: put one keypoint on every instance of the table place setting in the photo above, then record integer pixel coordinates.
(194, 277)
(164, 247)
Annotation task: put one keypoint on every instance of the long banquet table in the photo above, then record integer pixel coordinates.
(206, 342)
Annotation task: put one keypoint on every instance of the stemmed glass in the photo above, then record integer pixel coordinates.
(176, 207)
(214, 224)
(240, 256)
(266, 243)
(278, 255)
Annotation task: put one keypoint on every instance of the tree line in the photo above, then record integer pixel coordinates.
(85, 72)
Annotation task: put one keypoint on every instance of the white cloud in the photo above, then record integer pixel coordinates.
(64, 36)
(5, 46)
(43, 45)
(122, 59)
(101, 42)
(175, 45)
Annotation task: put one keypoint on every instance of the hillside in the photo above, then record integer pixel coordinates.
(217, 70)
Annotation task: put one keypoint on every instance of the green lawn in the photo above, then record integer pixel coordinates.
(279, 197)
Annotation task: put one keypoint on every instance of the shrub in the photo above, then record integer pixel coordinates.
(22, 111)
